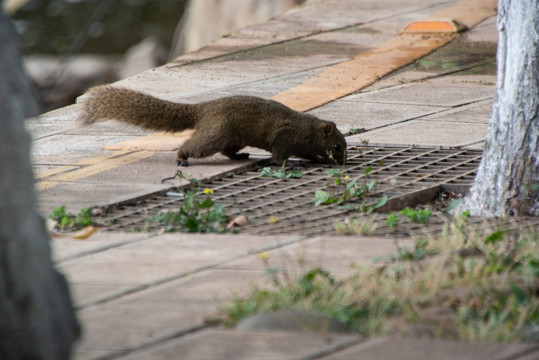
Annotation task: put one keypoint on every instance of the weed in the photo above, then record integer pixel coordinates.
(198, 213)
(67, 221)
(490, 296)
(359, 226)
(345, 190)
(281, 174)
(392, 220)
(417, 215)
(420, 251)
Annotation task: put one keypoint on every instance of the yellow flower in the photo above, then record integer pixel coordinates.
(263, 255)
(208, 191)
(346, 178)
(273, 219)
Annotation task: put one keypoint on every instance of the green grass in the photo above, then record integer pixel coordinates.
(490, 295)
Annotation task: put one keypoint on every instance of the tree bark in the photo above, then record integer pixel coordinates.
(37, 320)
(507, 181)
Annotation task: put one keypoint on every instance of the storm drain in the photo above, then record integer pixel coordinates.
(407, 176)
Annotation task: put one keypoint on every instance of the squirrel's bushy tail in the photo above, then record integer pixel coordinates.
(135, 108)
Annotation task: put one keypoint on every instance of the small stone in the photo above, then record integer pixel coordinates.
(531, 334)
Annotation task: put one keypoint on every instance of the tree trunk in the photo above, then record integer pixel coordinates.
(36, 316)
(507, 182)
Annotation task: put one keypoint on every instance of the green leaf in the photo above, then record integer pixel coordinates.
(191, 225)
(495, 237)
(392, 220)
(417, 216)
(295, 174)
(370, 185)
(266, 172)
(207, 203)
(333, 172)
(322, 197)
(381, 202)
(521, 298)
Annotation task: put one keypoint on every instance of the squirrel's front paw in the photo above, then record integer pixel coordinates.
(182, 162)
(242, 156)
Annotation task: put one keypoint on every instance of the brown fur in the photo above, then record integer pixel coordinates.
(225, 125)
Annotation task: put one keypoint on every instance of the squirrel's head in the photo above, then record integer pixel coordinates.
(333, 145)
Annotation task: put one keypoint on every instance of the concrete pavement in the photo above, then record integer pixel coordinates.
(150, 296)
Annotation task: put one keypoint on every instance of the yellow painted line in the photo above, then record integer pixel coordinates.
(45, 185)
(159, 141)
(94, 166)
(85, 162)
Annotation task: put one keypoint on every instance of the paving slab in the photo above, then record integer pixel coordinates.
(77, 195)
(157, 259)
(298, 23)
(350, 114)
(77, 146)
(405, 349)
(110, 127)
(41, 128)
(161, 165)
(476, 113)
(66, 247)
(179, 305)
(340, 255)
(428, 93)
(425, 133)
(222, 344)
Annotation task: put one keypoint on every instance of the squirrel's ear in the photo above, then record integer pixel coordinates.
(327, 129)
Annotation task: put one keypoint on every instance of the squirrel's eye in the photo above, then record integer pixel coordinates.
(337, 147)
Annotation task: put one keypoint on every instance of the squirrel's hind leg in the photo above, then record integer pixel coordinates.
(198, 146)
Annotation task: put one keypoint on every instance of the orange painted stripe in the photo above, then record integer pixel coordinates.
(353, 75)
(433, 26)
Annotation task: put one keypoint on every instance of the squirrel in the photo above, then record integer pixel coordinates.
(225, 125)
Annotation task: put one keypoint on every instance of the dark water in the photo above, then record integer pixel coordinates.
(95, 26)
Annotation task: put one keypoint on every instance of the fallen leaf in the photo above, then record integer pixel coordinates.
(239, 221)
(85, 233)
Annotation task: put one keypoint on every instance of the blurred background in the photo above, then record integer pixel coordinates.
(71, 45)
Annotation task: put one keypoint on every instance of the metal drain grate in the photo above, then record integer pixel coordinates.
(408, 176)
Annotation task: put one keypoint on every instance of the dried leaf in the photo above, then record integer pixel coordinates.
(238, 221)
(85, 233)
